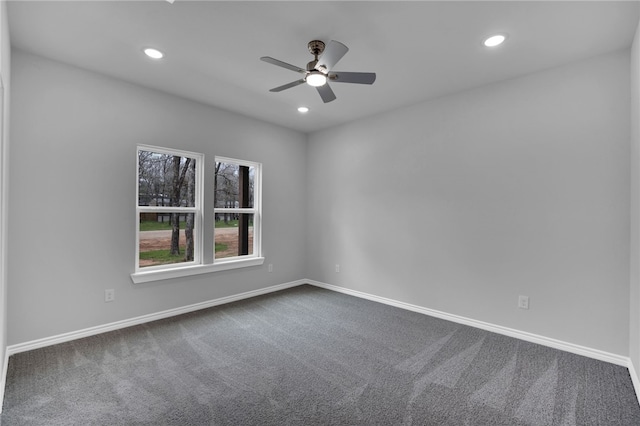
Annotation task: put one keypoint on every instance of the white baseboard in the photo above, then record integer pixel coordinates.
(67, 337)
(522, 335)
(3, 379)
(635, 379)
(529, 337)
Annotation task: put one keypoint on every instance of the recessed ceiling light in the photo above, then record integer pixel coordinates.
(303, 109)
(153, 53)
(494, 40)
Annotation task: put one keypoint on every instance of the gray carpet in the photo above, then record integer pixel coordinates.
(308, 356)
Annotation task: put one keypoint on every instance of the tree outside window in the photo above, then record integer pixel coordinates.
(170, 214)
(236, 208)
(168, 204)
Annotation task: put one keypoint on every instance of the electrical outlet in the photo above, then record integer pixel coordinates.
(270, 267)
(523, 302)
(109, 295)
(337, 268)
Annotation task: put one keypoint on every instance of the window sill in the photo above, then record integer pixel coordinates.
(165, 274)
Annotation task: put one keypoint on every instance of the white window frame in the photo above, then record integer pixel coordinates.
(256, 211)
(197, 210)
(204, 241)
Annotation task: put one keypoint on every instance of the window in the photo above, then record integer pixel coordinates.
(171, 238)
(236, 209)
(169, 207)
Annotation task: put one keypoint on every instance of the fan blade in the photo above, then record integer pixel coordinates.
(287, 86)
(352, 77)
(326, 93)
(331, 55)
(282, 64)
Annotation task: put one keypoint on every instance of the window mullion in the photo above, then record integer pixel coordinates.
(235, 210)
(158, 209)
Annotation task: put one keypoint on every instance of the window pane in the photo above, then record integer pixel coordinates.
(234, 185)
(166, 180)
(161, 244)
(233, 235)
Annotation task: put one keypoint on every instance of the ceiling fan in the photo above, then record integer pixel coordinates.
(320, 71)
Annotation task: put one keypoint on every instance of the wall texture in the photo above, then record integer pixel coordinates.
(72, 197)
(634, 328)
(5, 75)
(459, 204)
(463, 203)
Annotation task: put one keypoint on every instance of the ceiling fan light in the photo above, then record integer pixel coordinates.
(316, 79)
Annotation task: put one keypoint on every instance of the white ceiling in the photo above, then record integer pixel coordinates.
(419, 50)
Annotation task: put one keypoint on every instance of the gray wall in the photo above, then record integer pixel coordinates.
(72, 197)
(634, 329)
(5, 74)
(463, 203)
(459, 204)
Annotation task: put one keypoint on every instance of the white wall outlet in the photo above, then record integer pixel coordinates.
(270, 267)
(109, 295)
(337, 268)
(523, 302)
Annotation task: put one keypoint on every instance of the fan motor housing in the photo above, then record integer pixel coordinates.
(316, 47)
